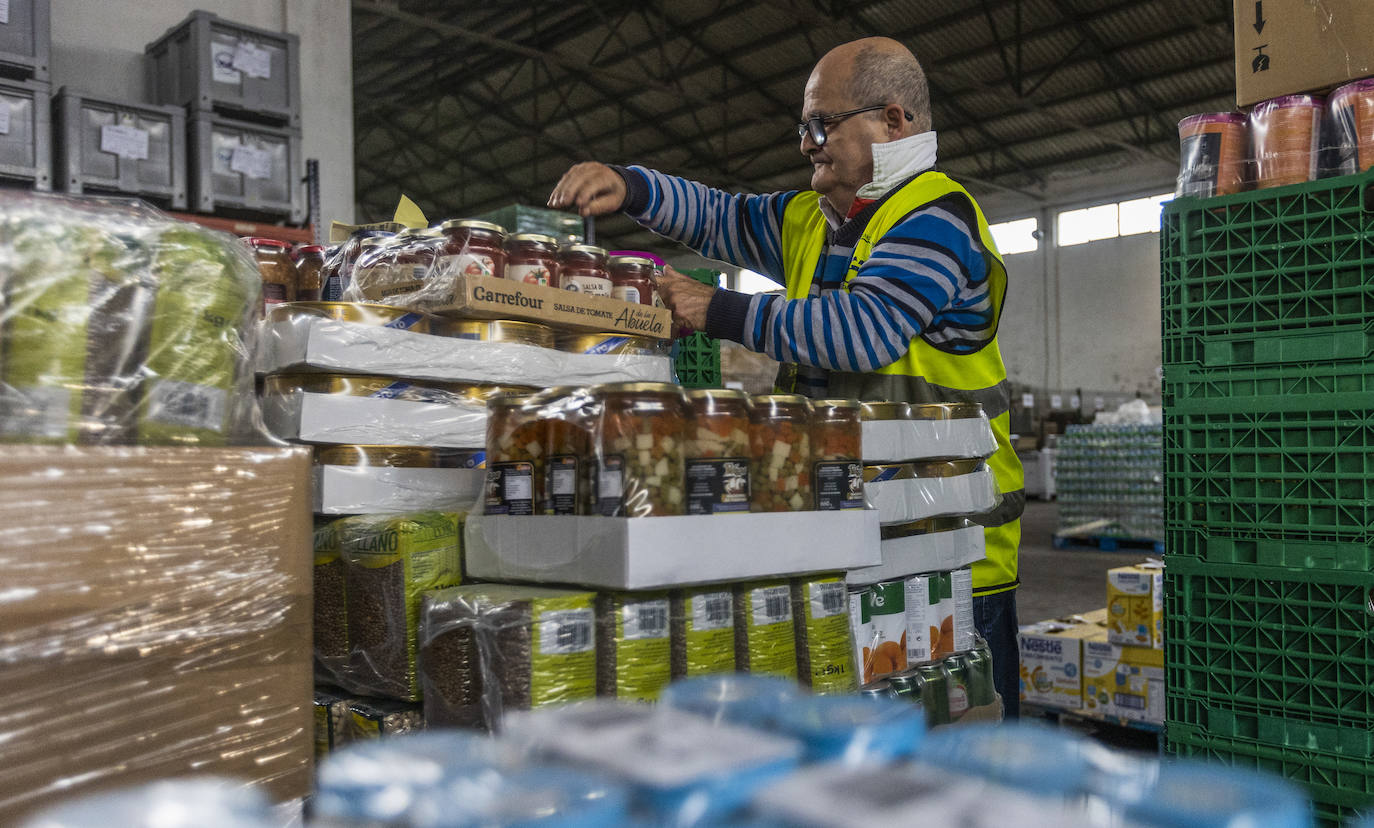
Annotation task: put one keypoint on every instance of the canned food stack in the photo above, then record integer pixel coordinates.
(1111, 481)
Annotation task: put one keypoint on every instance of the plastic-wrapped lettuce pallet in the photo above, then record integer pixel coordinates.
(386, 341)
(1111, 477)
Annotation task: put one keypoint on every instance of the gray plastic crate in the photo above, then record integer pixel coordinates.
(209, 63)
(99, 144)
(26, 40)
(246, 168)
(26, 137)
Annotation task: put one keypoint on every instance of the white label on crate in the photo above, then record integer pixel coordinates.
(565, 631)
(1028, 401)
(645, 619)
(1056, 401)
(829, 599)
(712, 611)
(771, 605)
(124, 141)
(222, 64)
(4, 11)
(1075, 402)
(252, 60)
(37, 412)
(252, 162)
(187, 404)
(4, 118)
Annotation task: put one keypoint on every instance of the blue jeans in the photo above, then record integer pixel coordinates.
(995, 618)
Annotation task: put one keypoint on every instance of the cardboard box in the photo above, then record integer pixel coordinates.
(913, 499)
(662, 552)
(480, 297)
(355, 490)
(319, 344)
(1135, 605)
(1052, 663)
(929, 552)
(900, 441)
(1301, 46)
(1126, 682)
(156, 620)
(349, 420)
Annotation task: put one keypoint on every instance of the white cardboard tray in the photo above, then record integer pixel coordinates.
(915, 554)
(354, 490)
(898, 441)
(904, 501)
(351, 420)
(662, 552)
(320, 344)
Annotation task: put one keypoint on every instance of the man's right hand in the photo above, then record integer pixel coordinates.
(594, 189)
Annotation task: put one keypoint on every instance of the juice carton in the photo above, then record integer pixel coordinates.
(1135, 605)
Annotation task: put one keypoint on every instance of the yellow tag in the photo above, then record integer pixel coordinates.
(409, 214)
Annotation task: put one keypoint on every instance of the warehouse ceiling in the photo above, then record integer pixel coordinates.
(467, 107)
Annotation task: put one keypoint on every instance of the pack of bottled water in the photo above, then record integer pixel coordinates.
(1112, 478)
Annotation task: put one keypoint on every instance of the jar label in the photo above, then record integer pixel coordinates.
(468, 264)
(625, 293)
(333, 288)
(610, 485)
(658, 300)
(273, 293)
(715, 486)
(530, 274)
(590, 285)
(562, 471)
(510, 488)
(839, 485)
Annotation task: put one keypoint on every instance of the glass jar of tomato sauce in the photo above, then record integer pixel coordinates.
(636, 462)
(716, 456)
(632, 279)
(837, 470)
(780, 446)
(472, 248)
(532, 258)
(582, 269)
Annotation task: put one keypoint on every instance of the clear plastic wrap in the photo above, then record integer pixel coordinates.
(741, 698)
(1205, 795)
(1029, 757)
(638, 437)
(1213, 148)
(683, 769)
(633, 650)
(195, 802)
(1351, 114)
(390, 561)
(372, 719)
(825, 643)
(1286, 135)
(703, 631)
(155, 619)
(370, 410)
(332, 720)
(489, 648)
(905, 432)
(780, 440)
(908, 492)
(932, 545)
(351, 480)
(330, 602)
(836, 455)
(119, 325)
(765, 635)
(853, 730)
(393, 341)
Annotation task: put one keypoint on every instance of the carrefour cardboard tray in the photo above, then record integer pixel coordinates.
(344, 419)
(926, 546)
(662, 552)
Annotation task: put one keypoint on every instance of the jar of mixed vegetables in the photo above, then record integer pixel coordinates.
(780, 441)
(566, 416)
(717, 452)
(515, 456)
(837, 455)
(636, 457)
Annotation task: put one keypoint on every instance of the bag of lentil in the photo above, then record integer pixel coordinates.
(703, 631)
(825, 645)
(632, 645)
(489, 648)
(390, 561)
(378, 718)
(331, 630)
(331, 720)
(765, 641)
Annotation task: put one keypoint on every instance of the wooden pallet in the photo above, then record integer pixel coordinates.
(1108, 543)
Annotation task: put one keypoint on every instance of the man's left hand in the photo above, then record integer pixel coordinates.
(687, 298)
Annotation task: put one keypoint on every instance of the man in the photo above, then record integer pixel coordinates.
(894, 285)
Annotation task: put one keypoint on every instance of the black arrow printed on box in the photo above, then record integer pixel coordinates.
(1259, 16)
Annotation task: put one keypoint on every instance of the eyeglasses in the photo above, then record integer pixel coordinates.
(816, 124)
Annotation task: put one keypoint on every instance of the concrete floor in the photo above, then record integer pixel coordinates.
(1057, 582)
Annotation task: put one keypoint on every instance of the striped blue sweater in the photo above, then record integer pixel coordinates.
(926, 277)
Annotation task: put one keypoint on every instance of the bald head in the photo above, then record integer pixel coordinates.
(876, 70)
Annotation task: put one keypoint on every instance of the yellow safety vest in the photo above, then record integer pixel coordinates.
(926, 373)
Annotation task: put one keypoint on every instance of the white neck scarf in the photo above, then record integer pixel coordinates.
(893, 163)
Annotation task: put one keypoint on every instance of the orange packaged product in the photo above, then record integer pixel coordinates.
(1352, 117)
(636, 462)
(837, 455)
(1286, 134)
(1212, 151)
(566, 416)
(515, 456)
(717, 452)
(780, 447)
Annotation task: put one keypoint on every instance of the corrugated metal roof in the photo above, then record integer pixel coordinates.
(471, 106)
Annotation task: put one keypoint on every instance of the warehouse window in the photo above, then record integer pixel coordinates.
(1141, 215)
(1107, 221)
(750, 282)
(1016, 236)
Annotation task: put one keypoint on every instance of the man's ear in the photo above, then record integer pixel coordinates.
(894, 121)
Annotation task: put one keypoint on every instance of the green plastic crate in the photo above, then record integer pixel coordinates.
(1205, 546)
(1342, 788)
(1285, 647)
(697, 359)
(1286, 259)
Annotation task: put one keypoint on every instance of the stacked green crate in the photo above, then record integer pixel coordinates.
(697, 359)
(1268, 335)
(521, 218)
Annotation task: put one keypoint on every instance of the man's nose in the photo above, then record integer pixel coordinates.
(808, 144)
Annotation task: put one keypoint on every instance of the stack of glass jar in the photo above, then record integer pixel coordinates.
(652, 449)
(412, 261)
